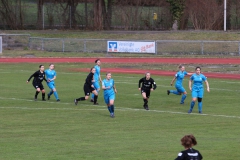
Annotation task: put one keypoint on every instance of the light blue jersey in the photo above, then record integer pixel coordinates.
(197, 88)
(179, 77)
(198, 81)
(109, 93)
(97, 73)
(50, 74)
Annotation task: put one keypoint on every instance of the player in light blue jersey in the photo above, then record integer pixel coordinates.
(97, 77)
(109, 93)
(51, 76)
(179, 77)
(197, 88)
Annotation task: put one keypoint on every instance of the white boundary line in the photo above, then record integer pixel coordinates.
(118, 109)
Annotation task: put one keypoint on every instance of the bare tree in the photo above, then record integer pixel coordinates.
(206, 14)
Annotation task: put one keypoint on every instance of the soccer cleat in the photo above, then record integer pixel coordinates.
(58, 100)
(112, 115)
(147, 107)
(200, 112)
(189, 111)
(75, 101)
(43, 99)
(181, 102)
(48, 97)
(91, 100)
(168, 92)
(95, 103)
(35, 99)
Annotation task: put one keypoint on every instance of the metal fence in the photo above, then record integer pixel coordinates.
(164, 47)
(14, 41)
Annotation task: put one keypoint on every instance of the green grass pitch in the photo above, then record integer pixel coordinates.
(60, 130)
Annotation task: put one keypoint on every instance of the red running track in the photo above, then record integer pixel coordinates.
(136, 60)
(125, 60)
(161, 73)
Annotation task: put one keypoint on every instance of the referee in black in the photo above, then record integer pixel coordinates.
(39, 76)
(89, 88)
(148, 85)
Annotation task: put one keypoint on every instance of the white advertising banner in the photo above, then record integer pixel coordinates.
(131, 46)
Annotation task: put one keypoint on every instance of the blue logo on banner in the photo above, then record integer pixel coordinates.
(112, 46)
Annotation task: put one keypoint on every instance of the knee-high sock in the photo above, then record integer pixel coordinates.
(174, 92)
(50, 93)
(94, 94)
(81, 99)
(183, 98)
(36, 94)
(112, 108)
(95, 98)
(43, 95)
(192, 105)
(199, 106)
(56, 95)
(145, 102)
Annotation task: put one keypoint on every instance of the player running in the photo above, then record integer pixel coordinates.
(39, 76)
(197, 89)
(179, 77)
(109, 93)
(146, 88)
(188, 141)
(89, 88)
(97, 77)
(51, 76)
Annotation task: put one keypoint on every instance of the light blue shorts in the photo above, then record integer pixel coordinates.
(51, 85)
(180, 88)
(197, 93)
(107, 98)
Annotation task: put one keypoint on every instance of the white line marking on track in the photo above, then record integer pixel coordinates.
(117, 108)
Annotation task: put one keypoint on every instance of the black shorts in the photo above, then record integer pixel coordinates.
(87, 90)
(36, 85)
(146, 91)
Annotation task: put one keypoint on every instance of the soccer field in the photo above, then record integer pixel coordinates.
(60, 130)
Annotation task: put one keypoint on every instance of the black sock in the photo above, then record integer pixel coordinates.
(43, 96)
(81, 99)
(145, 102)
(36, 94)
(95, 98)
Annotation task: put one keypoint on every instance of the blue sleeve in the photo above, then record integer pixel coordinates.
(176, 75)
(55, 73)
(204, 78)
(192, 77)
(185, 73)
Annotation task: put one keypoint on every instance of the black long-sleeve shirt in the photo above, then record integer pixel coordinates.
(89, 79)
(147, 84)
(38, 77)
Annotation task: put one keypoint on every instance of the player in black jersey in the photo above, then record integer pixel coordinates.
(188, 141)
(39, 76)
(148, 85)
(89, 88)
